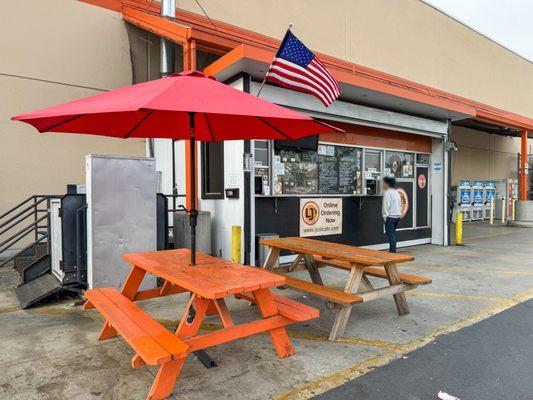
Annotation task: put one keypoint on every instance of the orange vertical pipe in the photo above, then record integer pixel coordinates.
(523, 170)
(193, 54)
(189, 62)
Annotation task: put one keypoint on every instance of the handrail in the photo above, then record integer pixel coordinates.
(28, 208)
(50, 196)
(32, 206)
(32, 212)
(21, 233)
(17, 206)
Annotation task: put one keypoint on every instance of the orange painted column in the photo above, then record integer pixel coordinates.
(189, 62)
(523, 167)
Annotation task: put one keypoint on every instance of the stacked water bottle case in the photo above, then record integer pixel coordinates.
(473, 199)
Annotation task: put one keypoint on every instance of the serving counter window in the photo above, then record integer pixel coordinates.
(372, 181)
(295, 172)
(331, 169)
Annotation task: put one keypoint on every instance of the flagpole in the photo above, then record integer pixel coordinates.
(264, 79)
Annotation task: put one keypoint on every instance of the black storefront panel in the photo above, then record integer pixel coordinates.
(422, 196)
(362, 223)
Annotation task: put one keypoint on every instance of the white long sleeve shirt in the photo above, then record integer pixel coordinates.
(392, 204)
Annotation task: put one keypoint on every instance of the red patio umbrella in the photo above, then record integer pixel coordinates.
(188, 105)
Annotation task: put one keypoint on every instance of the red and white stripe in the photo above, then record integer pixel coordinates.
(315, 79)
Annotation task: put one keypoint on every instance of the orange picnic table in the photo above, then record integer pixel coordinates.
(208, 283)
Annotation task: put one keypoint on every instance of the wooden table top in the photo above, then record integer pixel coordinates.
(337, 251)
(211, 277)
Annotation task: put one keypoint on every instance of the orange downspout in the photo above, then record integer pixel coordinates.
(523, 167)
(189, 62)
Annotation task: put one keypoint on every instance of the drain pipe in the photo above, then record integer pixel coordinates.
(168, 9)
(166, 68)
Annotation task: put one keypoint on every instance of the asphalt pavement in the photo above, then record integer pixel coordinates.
(490, 360)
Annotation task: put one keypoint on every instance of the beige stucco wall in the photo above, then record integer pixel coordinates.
(482, 156)
(55, 51)
(407, 38)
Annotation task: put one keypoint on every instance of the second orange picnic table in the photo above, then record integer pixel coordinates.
(360, 262)
(209, 282)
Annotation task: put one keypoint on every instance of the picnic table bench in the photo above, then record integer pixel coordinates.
(208, 283)
(360, 262)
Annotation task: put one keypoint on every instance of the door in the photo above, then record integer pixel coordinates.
(56, 240)
(422, 196)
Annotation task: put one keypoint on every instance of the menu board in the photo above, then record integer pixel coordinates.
(330, 170)
(350, 169)
(328, 174)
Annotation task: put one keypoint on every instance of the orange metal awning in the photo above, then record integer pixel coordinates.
(248, 50)
(356, 85)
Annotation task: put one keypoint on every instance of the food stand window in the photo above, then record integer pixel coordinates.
(399, 164)
(299, 175)
(330, 169)
(350, 170)
(340, 169)
(372, 176)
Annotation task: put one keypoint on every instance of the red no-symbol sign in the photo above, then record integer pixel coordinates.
(422, 181)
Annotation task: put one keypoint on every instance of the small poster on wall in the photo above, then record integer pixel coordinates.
(319, 217)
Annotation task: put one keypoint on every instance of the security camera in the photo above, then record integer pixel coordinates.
(451, 146)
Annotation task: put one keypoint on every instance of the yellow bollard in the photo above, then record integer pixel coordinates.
(459, 228)
(236, 244)
(491, 210)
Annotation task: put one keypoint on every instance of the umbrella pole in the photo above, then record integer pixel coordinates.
(193, 213)
(174, 186)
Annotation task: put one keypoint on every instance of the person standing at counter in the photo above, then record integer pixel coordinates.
(391, 210)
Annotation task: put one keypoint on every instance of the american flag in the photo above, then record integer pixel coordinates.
(296, 67)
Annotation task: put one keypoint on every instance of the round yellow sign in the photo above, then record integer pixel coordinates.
(310, 213)
(405, 201)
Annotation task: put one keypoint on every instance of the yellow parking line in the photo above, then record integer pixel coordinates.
(324, 384)
(299, 335)
(354, 341)
(465, 269)
(422, 293)
(460, 251)
(4, 310)
(487, 236)
(54, 310)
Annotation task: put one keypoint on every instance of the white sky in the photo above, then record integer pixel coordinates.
(509, 22)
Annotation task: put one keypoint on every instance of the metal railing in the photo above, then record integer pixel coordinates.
(172, 207)
(35, 208)
(35, 211)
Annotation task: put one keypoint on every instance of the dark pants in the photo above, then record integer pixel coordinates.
(390, 230)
